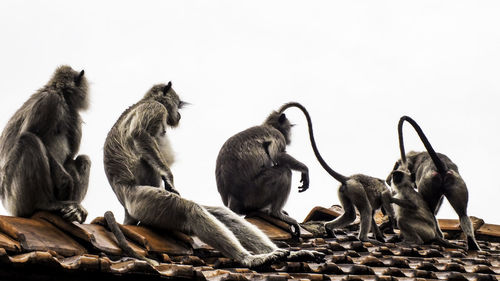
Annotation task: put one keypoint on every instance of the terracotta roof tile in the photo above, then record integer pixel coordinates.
(34, 235)
(188, 258)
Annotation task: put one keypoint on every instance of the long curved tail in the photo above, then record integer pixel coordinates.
(325, 166)
(122, 241)
(441, 167)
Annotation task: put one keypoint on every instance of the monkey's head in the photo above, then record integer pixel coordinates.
(164, 94)
(410, 159)
(402, 178)
(72, 84)
(281, 123)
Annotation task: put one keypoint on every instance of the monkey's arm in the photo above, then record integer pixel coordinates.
(74, 134)
(405, 203)
(45, 120)
(285, 159)
(149, 150)
(45, 115)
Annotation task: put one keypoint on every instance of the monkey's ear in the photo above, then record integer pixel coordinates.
(167, 88)
(183, 104)
(282, 118)
(79, 77)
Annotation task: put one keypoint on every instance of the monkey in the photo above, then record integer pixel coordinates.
(436, 176)
(416, 222)
(254, 172)
(39, 165)
(137, 160)
(365, 193)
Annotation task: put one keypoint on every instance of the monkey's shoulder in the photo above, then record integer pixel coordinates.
(257, 136)
(141, 114)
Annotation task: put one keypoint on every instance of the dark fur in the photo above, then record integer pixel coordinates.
(137, 159)
(254, 171)
(365, 193)
(39, 166)
(436, 176)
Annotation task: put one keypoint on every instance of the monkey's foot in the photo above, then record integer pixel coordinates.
(74, 212)
(329, 232)
(306, 255)
(472, 244)
(265, 259)
(373, 241)
(295, 230)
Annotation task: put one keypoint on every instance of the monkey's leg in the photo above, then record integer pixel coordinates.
(163, 209)
(255, 240)
(347, 217)
(249, 236)
(32, 184)
(408, 232)
(61, 178)
(272, 189)
(456, 192)
(387, 207)
(79, 169)
(357, 195)
(376, 230)
(150, 151)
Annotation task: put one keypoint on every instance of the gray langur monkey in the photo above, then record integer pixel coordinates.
(365, 193)
(137, 157)
(254, 171)
(38, 168)
(416, 222)
(436, 176)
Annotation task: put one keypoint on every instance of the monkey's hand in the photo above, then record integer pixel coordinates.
(304, 179)
(74, 212)
(168, 185)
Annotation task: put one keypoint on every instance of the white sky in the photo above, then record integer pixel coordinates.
(356, 65)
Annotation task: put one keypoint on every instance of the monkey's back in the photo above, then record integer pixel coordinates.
(119, 158)
(243, 155)
(421, 217)
(373, 188)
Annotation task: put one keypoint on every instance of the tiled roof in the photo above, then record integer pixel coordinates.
(46, 247)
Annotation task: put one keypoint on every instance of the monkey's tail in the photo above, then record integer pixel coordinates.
(441, 167)
(122, 241)
(342, 179)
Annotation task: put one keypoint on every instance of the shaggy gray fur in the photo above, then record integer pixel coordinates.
(254, 171)
(416, 221)
(38, 147)
(436, 176)
(137, 157)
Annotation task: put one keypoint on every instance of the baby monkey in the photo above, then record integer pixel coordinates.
(365, 193)
(415, 221)
(436, 177)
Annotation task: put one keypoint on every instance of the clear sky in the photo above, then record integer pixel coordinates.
(356, 65)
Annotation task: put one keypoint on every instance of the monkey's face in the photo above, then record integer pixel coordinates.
(401, 178)
(166, 95)
(281, 123)
(72, 84)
